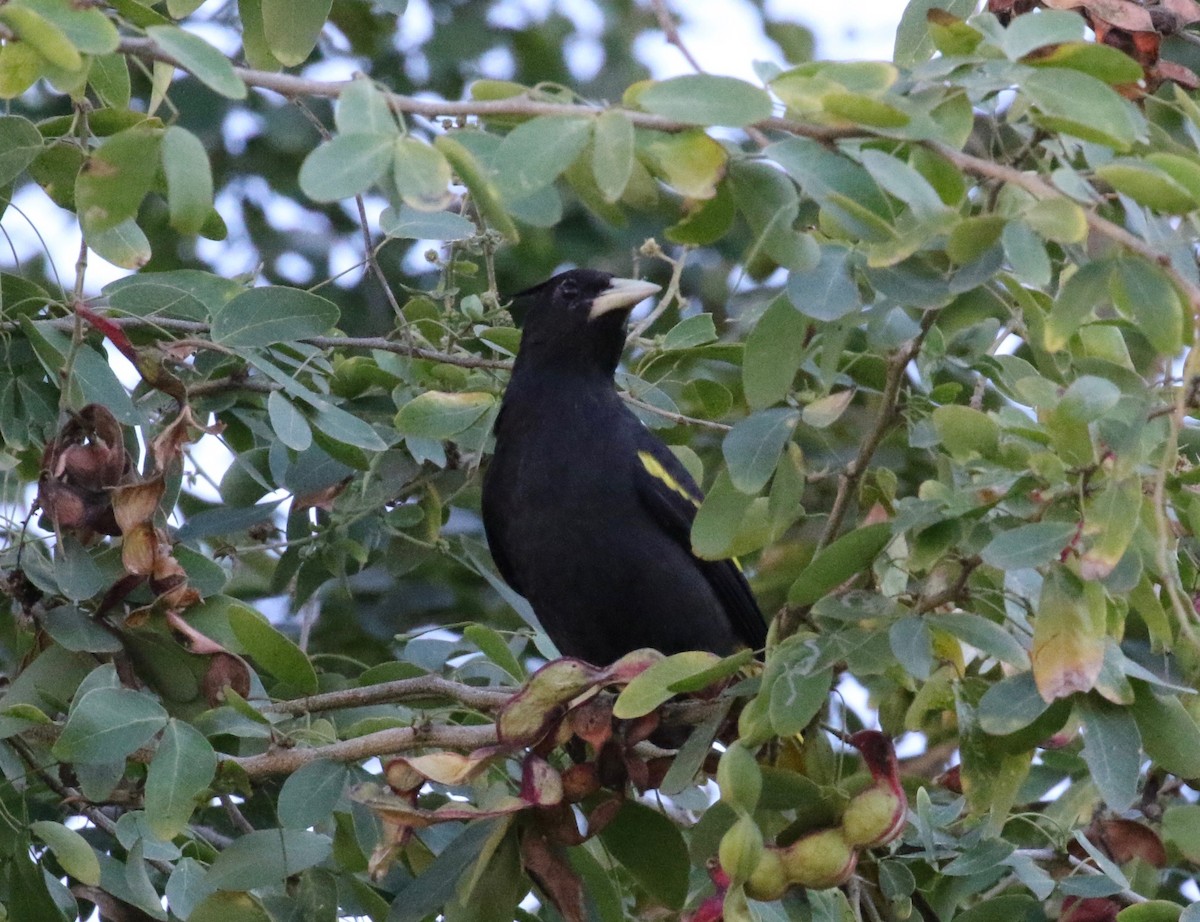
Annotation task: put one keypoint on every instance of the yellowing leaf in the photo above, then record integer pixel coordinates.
(1068, 636)
(690, 162)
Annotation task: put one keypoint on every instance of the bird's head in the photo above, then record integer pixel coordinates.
(577, 319)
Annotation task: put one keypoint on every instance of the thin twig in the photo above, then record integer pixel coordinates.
(235, 815)
(888, 411)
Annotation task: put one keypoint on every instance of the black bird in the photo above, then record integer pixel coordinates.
(587, 513)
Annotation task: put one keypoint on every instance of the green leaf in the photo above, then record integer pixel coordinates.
(345, 166)
(88, 29)
(752, 447)
(1112, 750)
(199, 58)
(986, 636)
(903, 181)
(1169, 733)
(429, 893)
(1080, 105)
(914, 44)
(408, 223)
(1024, 35)
(107, 724)
(363, 109)
(114, 179)
(1033, 545)
(862, 109)
(229, 907)
(189, 180)
(612, 154)
(1181, 827)
(492, 644)
(76, 630)
(650, 846)
(1026, 254)
(1010, 705)
(652, 687)
(338, 425)
(1143, 293)
(1058, 219)
(827, 291)
(20, 143)
(288, 422)
(965, 431)
(704, 99)
(264, 857)
(690, 332)
(718, 518)
(973, 237)
(109, 77)
(292, 27)
(536, 153)
(850, 554)
(1152, 911)
(1100, 61)
(71, 849)
(184, 294)
(310, 793)
(774, 350)
(272, 314)
(182, 769)
(477, 181)
(78, 575)
(271, 650)
(43, 36)
(442, 415)
(1147, 185)
(1077, 300)
(796, 698)
(254, 40)
(422, 174)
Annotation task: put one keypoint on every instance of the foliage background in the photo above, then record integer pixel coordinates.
(927, 338)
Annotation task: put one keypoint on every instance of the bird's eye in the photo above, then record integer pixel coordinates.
(569, 289)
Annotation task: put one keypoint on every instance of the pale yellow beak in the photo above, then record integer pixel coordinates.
(621, 294)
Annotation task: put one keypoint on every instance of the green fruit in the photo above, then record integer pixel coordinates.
(819, 860)
(768, 882)
(741, 848)
(739, 777)
(874, 816)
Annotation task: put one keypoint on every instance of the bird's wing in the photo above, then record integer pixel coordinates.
(672, 497)
(494, 507)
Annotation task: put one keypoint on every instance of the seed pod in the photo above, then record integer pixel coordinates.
(874, 816)
(877, 815)
(819, 860)
(768, 882)
(741, 848)
(740, 778)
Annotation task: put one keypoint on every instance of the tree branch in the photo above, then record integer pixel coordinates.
(383, 742)
(430, 686)
(292, 86)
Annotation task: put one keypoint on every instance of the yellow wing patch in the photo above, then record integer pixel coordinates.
(656, 470)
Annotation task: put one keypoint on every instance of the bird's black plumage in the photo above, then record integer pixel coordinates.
(587, 513)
